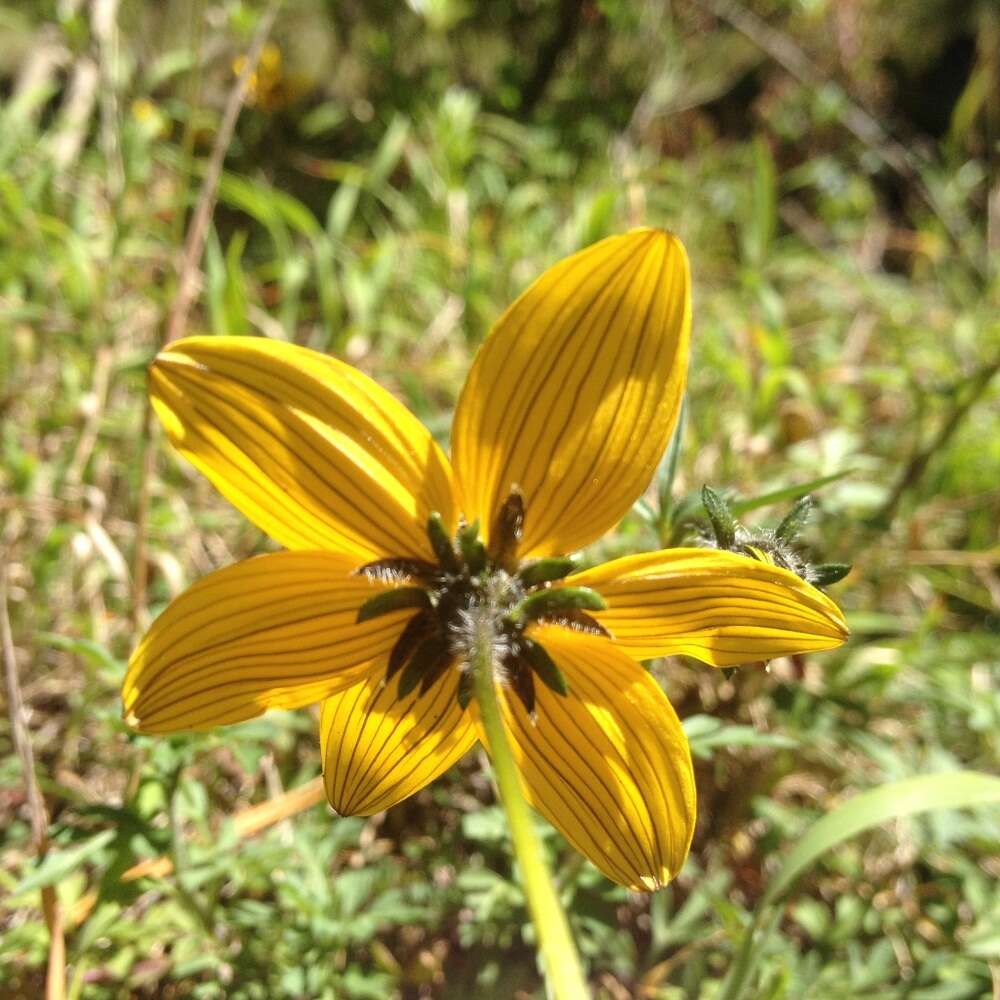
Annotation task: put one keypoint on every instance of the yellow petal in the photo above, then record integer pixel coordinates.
(719, 607)
(310, 449)
(574, 394)
(379, 750)
(277, 631)
(607, 764)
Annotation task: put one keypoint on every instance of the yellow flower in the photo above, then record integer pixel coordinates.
(395, 555)
(270, 86)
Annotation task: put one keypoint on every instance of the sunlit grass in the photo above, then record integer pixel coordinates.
(834, 330)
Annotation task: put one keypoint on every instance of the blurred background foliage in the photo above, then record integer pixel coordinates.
(399, 173)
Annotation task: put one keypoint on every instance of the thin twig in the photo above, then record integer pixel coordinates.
(194, 246)
(917, 465)
(188, 284)
(55, 982)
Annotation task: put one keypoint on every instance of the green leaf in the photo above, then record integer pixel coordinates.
(925, 793)
(87, 649)
(878, 623)
(389, 151)
(56, 865)
(705, 733)
(739, 507)
(668, 467)
(949, 790)
(760, 229)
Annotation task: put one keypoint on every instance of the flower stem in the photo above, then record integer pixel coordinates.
(562, 964)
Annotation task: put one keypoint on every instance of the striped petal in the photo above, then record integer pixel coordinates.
(276, 631)
(607, 764)
(310, 449)
(574, 394)
(719, 607)
(379, 749)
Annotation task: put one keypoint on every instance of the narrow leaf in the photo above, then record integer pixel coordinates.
(739, 507)
(668, 468)
(949, 790)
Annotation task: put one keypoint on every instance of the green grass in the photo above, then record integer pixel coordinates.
(844, 322)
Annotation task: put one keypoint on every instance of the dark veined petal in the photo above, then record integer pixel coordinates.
(608, 763)
(717, 606)
(311, 450)
(276, 631)
(379, 749)
(573, 396)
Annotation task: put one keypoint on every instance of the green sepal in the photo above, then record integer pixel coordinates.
(544, 666)
(795, 520)
(441, 544)
(472, 549)
(419, 628)
(466, 689)
(827, 573)
(393, 600)
(553, 600)
(507, 531)
(428, 662)
(546, 570)
(522, 682)
(579, 621)
(723, 523)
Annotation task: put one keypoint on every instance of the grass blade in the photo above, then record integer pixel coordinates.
(924, 793)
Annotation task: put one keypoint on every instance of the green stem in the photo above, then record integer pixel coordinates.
(562, 964)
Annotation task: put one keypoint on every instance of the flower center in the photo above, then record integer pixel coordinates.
(471, 591)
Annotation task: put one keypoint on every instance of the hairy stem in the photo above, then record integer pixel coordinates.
(562, 964)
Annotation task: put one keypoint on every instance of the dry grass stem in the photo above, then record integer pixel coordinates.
(56, 975)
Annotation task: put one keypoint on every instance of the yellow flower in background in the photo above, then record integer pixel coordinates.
(396, 557)
(271, 87)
